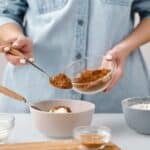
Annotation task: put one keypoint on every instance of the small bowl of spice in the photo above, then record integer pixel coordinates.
(137, 114)
(90, 75)
(92, 137)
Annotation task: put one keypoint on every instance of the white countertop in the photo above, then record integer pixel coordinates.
(127, 139)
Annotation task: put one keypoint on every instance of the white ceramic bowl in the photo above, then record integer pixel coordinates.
(62, 125)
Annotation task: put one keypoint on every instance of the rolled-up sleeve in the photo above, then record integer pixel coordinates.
(12, 11)
(142, 7)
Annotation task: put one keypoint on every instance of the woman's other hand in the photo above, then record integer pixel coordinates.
(120, 52)
(119, 56)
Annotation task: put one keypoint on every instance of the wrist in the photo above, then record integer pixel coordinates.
(123, 49)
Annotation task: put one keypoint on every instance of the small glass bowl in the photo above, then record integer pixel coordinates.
(90, 63)
(92, 137)
(7, 123)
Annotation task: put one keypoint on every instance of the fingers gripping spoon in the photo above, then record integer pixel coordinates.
(60, 80)
(16, 52)
(9, 49)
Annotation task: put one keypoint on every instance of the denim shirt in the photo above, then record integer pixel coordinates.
(67, 30)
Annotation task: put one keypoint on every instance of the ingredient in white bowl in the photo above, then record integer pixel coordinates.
(60, 109)
(142, 106)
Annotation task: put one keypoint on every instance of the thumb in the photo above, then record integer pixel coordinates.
(111, 55)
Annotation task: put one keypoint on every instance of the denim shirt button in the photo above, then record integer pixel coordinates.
(5, 11)
(80, 22)
(78, 55)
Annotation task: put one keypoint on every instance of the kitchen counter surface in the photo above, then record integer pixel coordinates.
(127, 139)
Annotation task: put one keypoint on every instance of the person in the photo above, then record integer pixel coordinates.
(56, 32)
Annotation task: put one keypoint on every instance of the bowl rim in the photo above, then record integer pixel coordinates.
(71, 113)
(89, 57)
(102, 127)
(125, 101)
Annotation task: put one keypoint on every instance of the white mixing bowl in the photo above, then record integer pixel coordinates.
(58, 125)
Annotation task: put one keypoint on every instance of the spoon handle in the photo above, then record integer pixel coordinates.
(16, 52)
(11, 94)
(37, 67)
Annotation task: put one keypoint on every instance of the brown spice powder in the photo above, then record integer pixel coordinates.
(82, 81)
(92, 140)
(91, 75)
(61, 81)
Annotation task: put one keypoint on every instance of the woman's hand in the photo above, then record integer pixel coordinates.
(119, 56)
(22, 43)
(127, 46)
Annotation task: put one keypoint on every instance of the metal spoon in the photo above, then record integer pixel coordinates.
(16, 52)
(16, 96)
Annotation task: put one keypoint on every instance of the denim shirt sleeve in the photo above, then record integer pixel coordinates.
(12, 11)
(142, 7)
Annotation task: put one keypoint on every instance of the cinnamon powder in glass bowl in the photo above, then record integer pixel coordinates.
(92, 80)
(92, 137)
(90, 75)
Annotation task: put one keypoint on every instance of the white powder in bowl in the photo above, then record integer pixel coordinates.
(141, 106)
(59, 110)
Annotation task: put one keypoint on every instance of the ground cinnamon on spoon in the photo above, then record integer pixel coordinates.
(61, 81)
